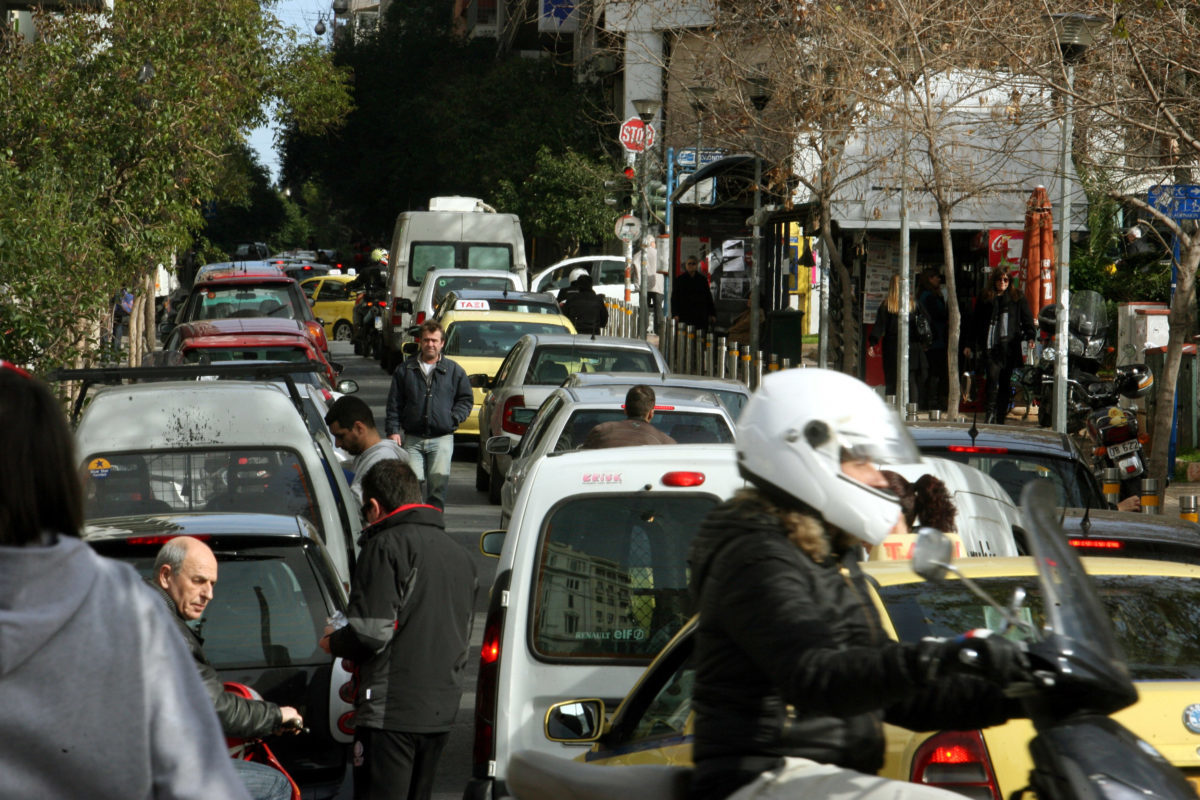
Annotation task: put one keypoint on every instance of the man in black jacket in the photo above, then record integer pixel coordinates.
(585, 308)
(185, 573)
(691, 298)
(794, 673)
(429, 398)
(409, 627)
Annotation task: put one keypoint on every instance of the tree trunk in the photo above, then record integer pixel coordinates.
(150, 339)
(953, 388)
(136, 322)
(849, 323)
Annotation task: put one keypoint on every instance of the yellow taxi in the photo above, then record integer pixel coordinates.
(333, 303)
(478, 339)
(1152, 608)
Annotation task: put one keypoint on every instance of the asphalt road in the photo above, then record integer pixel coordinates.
(468, 514)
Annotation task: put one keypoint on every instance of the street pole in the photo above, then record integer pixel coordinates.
(823, 323)
(902, 387)
(644, 290)
(1064, 270)
(754, 269)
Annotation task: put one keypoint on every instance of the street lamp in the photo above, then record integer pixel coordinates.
(647, 108)
(340, 6)
(1074, 33)
(907, 66)
(759, 95)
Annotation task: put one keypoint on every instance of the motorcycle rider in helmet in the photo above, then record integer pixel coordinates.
(565, 293)
(372, 281)
(794, 673)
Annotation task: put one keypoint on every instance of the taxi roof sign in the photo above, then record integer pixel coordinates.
(472, 305)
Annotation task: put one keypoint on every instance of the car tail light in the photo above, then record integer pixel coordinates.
(162, 538)
(328, 395)
(507, 423)
(396, 320)
(345, 723)
(682, 478)
(420, 317)
(1096, 544)
(483, 751)
(658, 408)
(383, 303)
(957, 761)
(317, 331)
(962, 448)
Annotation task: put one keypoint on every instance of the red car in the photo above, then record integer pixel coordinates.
(249, 291)
(249, 339)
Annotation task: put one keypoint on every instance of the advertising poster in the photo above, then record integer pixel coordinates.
(1004, 248)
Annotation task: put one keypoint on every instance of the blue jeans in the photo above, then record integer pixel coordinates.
(263, 782)
(430, 460)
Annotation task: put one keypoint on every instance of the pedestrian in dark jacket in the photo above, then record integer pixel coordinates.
(429, 398)
(185, 573)
(932, 303)
(691, 299)
(411, 607)
(1001, 322)
(887, 330)
(585, 308)
(794, 673)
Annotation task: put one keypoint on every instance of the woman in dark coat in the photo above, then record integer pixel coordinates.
(1002, 320)
(931, 302)
(886, 329)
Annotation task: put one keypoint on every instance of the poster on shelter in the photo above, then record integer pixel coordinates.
(733, 256)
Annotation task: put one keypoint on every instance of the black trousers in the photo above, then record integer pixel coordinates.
(999, 388)
(394, 765)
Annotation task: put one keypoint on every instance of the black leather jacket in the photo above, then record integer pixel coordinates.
(791, 658)
(240, 718)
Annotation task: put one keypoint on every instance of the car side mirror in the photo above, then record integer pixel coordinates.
(492, 542)
(409, 348)
(575, 721)
(405, 305)
(931, 554)
(498, 445)
(480, 380)
(347, 386)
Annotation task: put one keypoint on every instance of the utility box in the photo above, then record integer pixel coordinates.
(785, 335)
(1140, 326)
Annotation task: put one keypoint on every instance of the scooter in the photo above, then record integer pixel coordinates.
(1076, 678)
(255, 749)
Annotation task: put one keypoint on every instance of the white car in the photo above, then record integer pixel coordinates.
(689, 416)
(608, 277)
(440, 282)
(733, 394)
(536, 365)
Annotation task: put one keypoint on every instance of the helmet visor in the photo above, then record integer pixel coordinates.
(883, 444)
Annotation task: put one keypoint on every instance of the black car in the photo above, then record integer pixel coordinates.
(276, 589)
(1100, 532)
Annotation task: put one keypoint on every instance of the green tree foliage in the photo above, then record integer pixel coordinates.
(119, 127)
(438, 114)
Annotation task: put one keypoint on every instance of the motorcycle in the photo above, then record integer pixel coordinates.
(1075, 679)
(369, 309)
(1093, 403)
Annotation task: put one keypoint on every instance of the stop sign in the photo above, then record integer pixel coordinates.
(636, 136)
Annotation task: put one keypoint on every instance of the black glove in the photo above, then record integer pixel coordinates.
(981, 652)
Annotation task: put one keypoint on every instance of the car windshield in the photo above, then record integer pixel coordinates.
(1154, 617)
(612, 574)
(267, 609)
(1013, 470)
(208, 355)
(444, 285)
(552, 364)
(241, 300)
(266, 481)
(685, 427)
(486, 338)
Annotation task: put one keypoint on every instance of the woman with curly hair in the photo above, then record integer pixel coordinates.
(924, 503)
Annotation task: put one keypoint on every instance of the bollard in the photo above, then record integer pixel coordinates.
(1111, 485)
(706, 366)
(744, 367)
(721, 357)
(787, 364)
(1187, 508)
(935, 415)
(1150, 496)
(910, 412)
(773, 363)
(890, 400)
(758, 370)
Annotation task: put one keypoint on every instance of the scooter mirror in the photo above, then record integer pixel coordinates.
(931, 554)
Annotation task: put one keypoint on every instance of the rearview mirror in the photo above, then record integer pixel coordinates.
(931, 554)
(480, 380)
(498, 445)
(409, 348)
(347, 386)
(575, 721)
(492, 542)
(405, 305)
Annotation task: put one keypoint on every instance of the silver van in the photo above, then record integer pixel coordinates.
(455, 233)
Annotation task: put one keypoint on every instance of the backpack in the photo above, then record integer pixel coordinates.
(924, 326)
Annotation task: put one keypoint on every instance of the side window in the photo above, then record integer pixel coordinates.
(506, 365)
(310, 288)
(543, 422)
(668, 712)
(612, 273)
(334, 290)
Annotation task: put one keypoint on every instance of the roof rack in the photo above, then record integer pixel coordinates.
(116, 375)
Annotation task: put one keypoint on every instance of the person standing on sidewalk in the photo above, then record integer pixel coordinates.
(409, 629)
(429, 398)
(353, 427)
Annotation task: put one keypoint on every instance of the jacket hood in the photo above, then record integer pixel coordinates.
(41, 590)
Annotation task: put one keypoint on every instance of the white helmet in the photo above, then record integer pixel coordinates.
(798, 428)
(579, 272)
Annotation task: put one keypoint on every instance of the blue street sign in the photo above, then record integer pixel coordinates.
(686, 157)
(1177, 202)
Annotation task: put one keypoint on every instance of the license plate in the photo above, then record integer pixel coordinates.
(1115, 451)
(379, 323)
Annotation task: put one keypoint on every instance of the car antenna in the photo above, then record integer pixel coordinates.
(974, 431)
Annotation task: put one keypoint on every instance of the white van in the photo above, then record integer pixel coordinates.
(592, 583)
(455, 233)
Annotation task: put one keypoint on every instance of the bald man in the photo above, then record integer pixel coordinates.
(185, 574)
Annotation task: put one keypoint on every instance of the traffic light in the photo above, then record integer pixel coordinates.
(656, 196)
(619, 191)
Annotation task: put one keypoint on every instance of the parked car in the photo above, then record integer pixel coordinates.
(1098, 531)
(185, 446)
(591, 583)
(248, 339)
(497, 300)
(440, 282)
(277, 586)
(608, 276)
(562, 423)
(478, 341)
(332, 303)
(247, 290)
(732, 394)
(533, 368)
(653, 725)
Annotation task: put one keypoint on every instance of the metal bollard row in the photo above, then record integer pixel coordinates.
(692, 352)
(1150, 499)
(1187, 508)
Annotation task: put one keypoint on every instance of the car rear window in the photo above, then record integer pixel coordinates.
(241, 300)
(489, 256)
(1155, 618)
(265, 481)
(612, 575)
(551, 365)
(267, 608)
(197, 355)
(491, 339)
(685, 427)
(443, 286)
(1013, 470)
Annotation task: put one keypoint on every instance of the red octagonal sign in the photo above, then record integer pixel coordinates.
(636, 136)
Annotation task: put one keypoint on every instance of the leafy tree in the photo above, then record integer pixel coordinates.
(119, 127)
